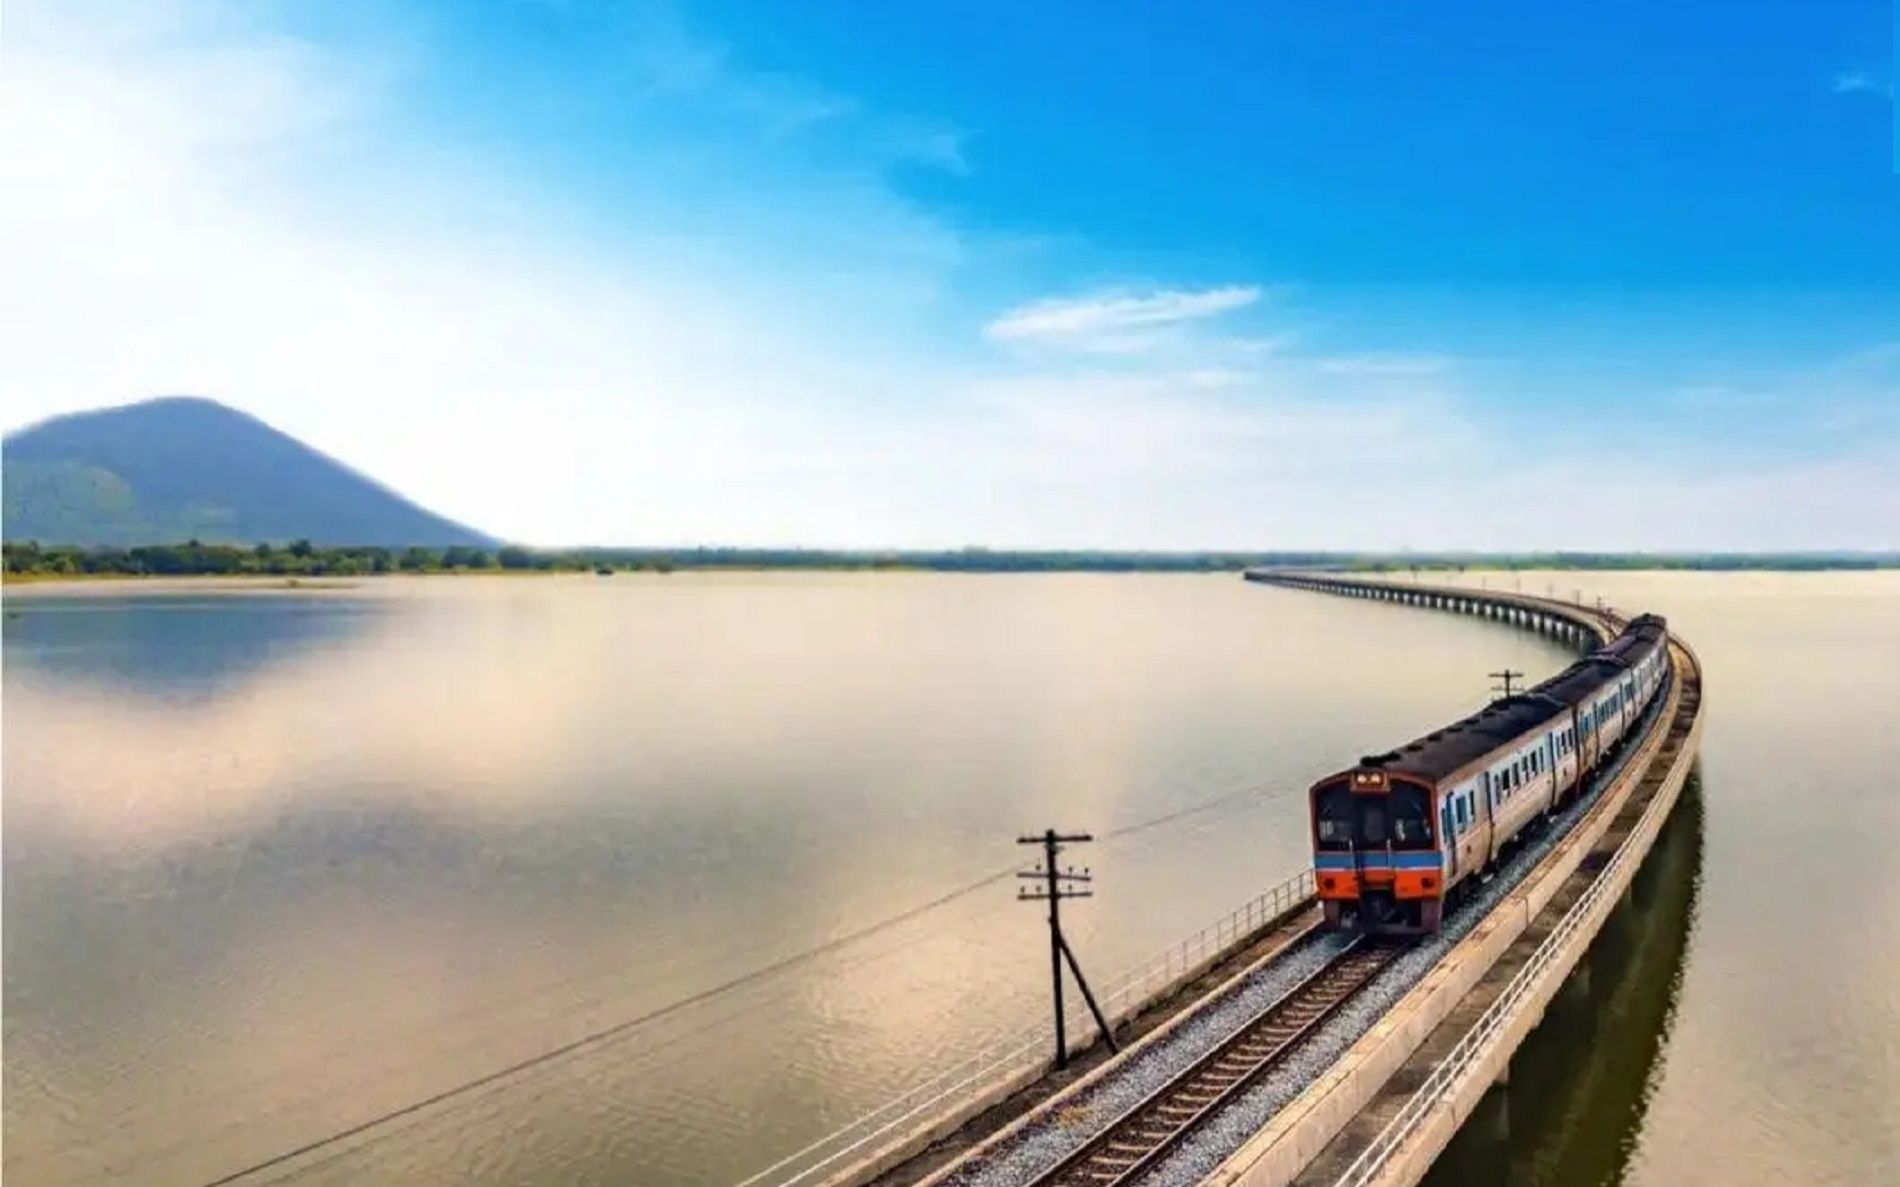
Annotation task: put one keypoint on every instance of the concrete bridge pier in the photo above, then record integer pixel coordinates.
(1574, 996)
(1644, 886)
(1487, 1153)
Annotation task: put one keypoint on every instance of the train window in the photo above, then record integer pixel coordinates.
(1409, 815)
(1372, 822)
(1334, 813)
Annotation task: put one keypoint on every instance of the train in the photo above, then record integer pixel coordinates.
(1401, 838)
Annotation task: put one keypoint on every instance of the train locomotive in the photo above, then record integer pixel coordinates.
(1400, 838)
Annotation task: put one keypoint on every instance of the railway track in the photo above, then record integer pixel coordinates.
(1160, 1121)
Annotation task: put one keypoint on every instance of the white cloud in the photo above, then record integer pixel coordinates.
(1860, 82)
(1389, 365)
(675, 65)
(1114, 322)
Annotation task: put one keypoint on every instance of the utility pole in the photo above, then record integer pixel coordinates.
(1506, 676)
(1057, 884)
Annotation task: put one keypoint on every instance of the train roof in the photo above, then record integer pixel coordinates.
(1580, 679)
(1642, 632)
(1444, 752)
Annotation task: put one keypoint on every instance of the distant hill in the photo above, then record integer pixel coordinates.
(177, 468)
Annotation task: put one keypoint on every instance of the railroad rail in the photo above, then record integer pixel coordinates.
(1160, 1121)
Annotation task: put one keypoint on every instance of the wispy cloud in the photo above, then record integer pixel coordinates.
(1114, 322)
(1860, 82)
(677, 66)
(1384, 365)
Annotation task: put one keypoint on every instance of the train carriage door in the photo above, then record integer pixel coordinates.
(1447, 838)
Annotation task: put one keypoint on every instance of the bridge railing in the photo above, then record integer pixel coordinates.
(954, 1090)
(1126, 993)
(1466, 1057)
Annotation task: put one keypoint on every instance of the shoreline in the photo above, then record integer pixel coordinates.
(325, 582)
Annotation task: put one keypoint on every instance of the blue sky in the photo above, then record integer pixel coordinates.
(1130, 276)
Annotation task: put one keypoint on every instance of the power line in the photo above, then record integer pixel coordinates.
(1061, 951)
(1507, 675)
(443, 1125)
(596, 1037)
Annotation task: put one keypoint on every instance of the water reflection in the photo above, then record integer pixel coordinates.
(188, 645)
(1580, 1085)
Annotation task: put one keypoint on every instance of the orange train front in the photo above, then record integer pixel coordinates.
(1397, 838)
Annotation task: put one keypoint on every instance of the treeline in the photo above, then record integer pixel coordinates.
(302, 558)
(298, 559)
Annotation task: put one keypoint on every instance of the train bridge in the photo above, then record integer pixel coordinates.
(1267, 1052)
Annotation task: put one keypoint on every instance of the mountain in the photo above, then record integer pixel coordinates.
(171, 469)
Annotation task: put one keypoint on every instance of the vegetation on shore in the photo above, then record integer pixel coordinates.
(304, 559)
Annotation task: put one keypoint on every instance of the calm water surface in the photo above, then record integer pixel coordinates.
(277, 862)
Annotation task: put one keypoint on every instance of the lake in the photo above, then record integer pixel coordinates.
(280, 861)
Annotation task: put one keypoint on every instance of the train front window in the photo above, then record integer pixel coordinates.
(1372, 821)
(1333, 817)
(1400, 818)
(1411, 813)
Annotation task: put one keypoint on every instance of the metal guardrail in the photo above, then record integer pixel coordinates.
(1129, 991)
(964, 1082)
(1463, 1059)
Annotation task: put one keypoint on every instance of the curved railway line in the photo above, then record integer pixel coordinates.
(1157, 1123)
(1029, 1140)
